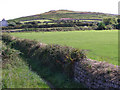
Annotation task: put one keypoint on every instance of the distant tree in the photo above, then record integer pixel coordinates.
(12, 24)
(94, 26)
(18, 23)
(108, 21)
(101, 26)
(118, 20)
(38, 22)
(118, 25)
(109, 27)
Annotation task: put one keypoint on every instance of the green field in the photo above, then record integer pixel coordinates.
(100, 45)
(35, 20)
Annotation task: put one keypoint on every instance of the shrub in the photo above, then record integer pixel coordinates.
(109, 27)
(101, 26)
(108, 21)
(118, 26)
(7, 38)
(118, 20)
(25, 45)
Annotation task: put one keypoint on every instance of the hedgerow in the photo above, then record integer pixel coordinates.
(55, 57)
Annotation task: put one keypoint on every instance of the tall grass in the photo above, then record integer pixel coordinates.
(17, 74)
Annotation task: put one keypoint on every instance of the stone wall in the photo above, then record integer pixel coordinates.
(95, 74)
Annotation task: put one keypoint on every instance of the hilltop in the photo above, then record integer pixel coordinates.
(57, 14)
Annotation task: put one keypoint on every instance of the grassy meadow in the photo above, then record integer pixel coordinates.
(101, 45)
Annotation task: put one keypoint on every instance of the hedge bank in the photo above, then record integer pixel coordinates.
(55, 57)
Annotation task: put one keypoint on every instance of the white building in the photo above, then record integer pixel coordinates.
(3, 23)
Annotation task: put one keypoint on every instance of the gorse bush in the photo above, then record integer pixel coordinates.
(25, 45)
(54, 56)
(7, 38)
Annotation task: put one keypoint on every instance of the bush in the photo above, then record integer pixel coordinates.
(101, 26)
(118, 26)
(118, 20)
(7, 38)
(109, 27)
(109, 21)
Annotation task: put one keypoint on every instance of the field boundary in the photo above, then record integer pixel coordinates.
(48, 30)
(93, 74)
(97, 74)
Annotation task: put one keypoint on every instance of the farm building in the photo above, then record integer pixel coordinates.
(66, 19)
(3, 23)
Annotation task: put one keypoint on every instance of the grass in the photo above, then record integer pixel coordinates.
(100, 45)
(17, 74)
(35, 20)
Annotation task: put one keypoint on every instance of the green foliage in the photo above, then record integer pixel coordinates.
(7, 38)
(12, 24)
(56, 78)
(109, 27)
(49, 25)
(118, 20)
(54, 56)
(118, 26)
(16, 72)
(101, 26)
(111, 21)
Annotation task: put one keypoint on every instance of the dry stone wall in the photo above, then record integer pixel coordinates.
(95, 74)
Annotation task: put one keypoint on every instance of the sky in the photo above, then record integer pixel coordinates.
(10, 9)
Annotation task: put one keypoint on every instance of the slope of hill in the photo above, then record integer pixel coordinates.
(57, 14)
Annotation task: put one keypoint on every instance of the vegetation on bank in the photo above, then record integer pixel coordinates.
(53, 29)
(52, 62)
(100, 45)
(16, 73)
(106, 24)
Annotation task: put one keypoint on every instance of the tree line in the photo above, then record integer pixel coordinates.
(105, 24)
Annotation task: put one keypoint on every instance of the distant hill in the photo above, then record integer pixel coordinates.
(58, 14)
